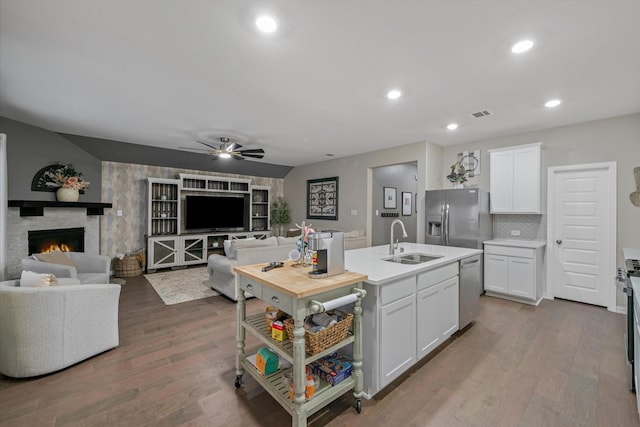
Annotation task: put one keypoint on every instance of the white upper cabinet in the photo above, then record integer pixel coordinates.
(515, 179)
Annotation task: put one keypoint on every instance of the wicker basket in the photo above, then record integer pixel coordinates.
(316, 342)
(128, 266)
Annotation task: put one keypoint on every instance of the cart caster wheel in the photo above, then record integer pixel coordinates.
(238, 381)
(358, 405)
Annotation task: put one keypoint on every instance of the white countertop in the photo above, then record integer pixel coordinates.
(369, 260)
(533, 244)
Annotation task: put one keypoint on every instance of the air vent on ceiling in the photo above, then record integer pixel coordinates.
(482, 113)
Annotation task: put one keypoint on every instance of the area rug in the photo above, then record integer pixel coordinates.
(184, 285)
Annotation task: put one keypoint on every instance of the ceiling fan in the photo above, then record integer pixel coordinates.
(228, 149)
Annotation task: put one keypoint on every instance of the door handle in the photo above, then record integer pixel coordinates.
(559, 241)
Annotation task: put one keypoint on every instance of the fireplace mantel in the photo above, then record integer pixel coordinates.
(36, 207)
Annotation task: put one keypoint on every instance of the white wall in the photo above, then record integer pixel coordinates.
(614, 139)
(3, 205)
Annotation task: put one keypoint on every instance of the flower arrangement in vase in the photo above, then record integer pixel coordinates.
(458, 177)
(67, 180)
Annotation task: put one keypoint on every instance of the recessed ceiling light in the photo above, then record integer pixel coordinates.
(394, 94)
(522, 46)
(266, 24)
(452, 126)
(552, 103)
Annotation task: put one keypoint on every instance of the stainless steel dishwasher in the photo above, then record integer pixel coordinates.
(470, 289)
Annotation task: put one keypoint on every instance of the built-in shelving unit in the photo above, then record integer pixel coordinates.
(260, 208)
(169, 246)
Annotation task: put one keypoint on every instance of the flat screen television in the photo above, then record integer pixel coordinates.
(216, 213)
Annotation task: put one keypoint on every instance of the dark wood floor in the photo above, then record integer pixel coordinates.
(559, 364)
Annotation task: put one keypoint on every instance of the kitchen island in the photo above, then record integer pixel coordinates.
(410, 309)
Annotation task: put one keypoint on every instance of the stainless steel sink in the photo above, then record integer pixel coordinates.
(411, 258)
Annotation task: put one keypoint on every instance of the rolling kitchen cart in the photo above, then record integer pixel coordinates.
(291, 290)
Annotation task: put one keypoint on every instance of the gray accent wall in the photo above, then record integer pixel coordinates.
(123, 152)
(30, 148)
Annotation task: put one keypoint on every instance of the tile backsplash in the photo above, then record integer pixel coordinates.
(531, 227)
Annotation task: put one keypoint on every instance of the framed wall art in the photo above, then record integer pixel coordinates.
(406, 203)
(390, 198)
(322, 198)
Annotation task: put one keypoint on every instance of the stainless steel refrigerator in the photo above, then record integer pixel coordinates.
(460, 217)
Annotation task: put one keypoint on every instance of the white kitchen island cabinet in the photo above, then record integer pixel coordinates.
(515, 179)
(437, 313)
(291, 290)
(409, 311)
(513, 269)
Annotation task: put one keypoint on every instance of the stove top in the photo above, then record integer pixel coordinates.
(633, 267)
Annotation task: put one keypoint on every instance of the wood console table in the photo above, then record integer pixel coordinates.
(291, 290)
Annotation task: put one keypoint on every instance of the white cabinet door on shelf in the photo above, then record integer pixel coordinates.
(501, 179)
(163, 252)
(515, 179)
(398, 335)
(521, 277)
(496, 273)
(193, 249)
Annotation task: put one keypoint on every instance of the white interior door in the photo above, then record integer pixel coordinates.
(581, 238)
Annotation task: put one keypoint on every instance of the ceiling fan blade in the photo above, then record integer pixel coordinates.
(207, 144)
(252, 151)
(208, 150)
(233, 146)
(254, 156)
(237, 157)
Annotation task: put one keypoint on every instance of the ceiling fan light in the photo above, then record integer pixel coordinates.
(522, 46)
(225, 155)
(394, 94)
(552, 103)
(266, 24)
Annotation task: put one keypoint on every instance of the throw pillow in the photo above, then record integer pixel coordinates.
(227, 248)
(287, 241)
(55, 257)
(29, 279)
(250, 243)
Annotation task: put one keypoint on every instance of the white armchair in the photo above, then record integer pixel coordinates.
(45, 329)
(87, 268)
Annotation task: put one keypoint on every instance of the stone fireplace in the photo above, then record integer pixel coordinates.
(18, 229)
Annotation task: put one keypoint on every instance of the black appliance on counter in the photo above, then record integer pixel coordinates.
(623, 282)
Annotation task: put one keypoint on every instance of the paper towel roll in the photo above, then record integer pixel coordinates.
(339, 302)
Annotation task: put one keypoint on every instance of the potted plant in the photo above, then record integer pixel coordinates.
(280, 214)
(67, 180)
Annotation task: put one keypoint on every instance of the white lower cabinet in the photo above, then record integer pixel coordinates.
(193, 249)
(397, 331)
(404, 321)
(163, 252)
(437, 312)
(514, 272)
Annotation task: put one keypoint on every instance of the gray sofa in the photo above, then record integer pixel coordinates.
(45, 329)
(245, 252)
(87, 268)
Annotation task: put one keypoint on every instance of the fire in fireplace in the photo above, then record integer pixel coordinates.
(61, 239)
